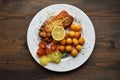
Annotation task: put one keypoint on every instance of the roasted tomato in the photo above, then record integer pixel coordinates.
(47, 50)
(40, 52)
(42, 44)
(53, 47)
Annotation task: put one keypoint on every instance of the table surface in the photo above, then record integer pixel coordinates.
(16, 63)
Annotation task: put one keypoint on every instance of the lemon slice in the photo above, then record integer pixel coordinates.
(58, 33)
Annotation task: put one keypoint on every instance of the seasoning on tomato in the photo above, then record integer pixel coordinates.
(53, 47)
(42, 44)
(40, 52)
(47, 50)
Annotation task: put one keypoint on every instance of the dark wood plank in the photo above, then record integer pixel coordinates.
(16, 63)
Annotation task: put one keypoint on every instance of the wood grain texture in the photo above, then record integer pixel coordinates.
(16, 63)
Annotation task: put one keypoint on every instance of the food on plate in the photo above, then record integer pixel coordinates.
(75, 41)
(48, 50)
(42, 45)
(63, 42)
(77, 35)
(81, 40)
(58, 33)
(69, 41)
(63, 19)
(56, 42)
(78, 27)
(45, 34)
(74, 52)
(62, 48)
(66, 36)
(72, 27)
(78, 48)
(59, 36)
(44, 49)
(53, 47)
(40, 52)
(68, 48)
(71, 34)
(75, 27)
(44, 60)
(54, 57)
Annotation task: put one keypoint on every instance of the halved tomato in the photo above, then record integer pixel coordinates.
(53, 47)
(40, 52)
(42, 45)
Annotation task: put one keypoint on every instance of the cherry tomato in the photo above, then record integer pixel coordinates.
(47, 50)
(42, 44)
(53, 47)
(40, 52)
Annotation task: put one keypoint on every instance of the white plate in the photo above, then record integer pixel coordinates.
(88, 32)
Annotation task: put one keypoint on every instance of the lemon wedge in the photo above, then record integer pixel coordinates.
(58, 33)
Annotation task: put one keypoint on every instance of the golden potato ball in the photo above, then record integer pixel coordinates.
(75, 41)
(74, 52)
(63, 42)
(81, 40)
(68, 48)
(78, 48)
(69, 41)
(78, 27)
(72, 27)
(77, 35)
(71, 34)
(62, 48)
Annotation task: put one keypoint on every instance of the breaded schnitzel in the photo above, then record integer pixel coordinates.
(63, 19)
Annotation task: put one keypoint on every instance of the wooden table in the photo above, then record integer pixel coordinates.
(16, 63)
